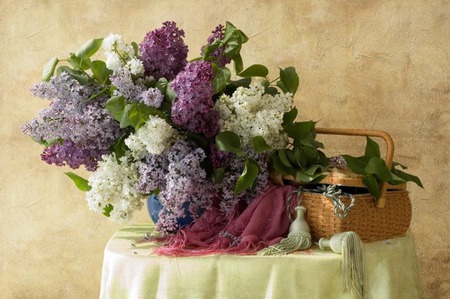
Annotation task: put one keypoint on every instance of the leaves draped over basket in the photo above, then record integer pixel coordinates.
(375, 170)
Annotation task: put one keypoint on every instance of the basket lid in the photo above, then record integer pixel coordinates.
(346, 177)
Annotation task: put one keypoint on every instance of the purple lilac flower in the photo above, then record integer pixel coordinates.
(44, 90)
(69, 153)
(219, 158)
(79, 131)
(193, 109)
(338, 162)
(218, 34)
(152, 97)
(152, 173)
(163, 51)
(125, 85)
(229, 200)
(135, 89)
(179, 176)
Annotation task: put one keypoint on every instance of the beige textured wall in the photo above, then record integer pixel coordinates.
(363, 64)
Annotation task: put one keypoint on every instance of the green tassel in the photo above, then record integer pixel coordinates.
(351, 247)
(298, 238)
(353, 263)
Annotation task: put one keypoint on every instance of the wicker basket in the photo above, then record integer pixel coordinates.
(390, 217)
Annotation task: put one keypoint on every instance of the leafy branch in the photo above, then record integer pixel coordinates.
(301, 160)
(375, 171)
(80, 64)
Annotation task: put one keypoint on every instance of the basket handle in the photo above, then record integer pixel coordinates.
(373, 133)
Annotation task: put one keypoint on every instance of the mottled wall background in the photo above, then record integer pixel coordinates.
(363, 64)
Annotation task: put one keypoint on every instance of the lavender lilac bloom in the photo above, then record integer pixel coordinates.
(135, 89)
(163, 51)
(186, 181)
(193, 108)
(152, 173)
(229, 200)
(77, 131)
(218, 34)
(125, 86)
(152, 97)
(219, 158)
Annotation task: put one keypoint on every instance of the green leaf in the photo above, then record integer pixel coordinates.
(283, 158)
(407, 177)
(377, 166)
(356, 164)
(139, 113)
(248, 177)
(372, 185)
(219, 174)
(76, 74)
(260, 145)
(303, 177)
(107, 210)
(233, 40)
(289, 117)
(245, 82)
(79, 63)
(138, 116)
(372, 148)
(230, 30)
(301, 157)
(294, 156)
(289, 79)
(80, 182)
(100, 72)
(229, 141)
(49, 69)
(135, 48)
(279, 167)
(89, 48)
(256, 70)
(282, 87)
(300, 130)
(120, 147)
(208, 49)
(238, 63)
(311, 153)
(164, 86)
(119, 109)
(271, 90)
(222, 76)
(313, 169)
(323, 160)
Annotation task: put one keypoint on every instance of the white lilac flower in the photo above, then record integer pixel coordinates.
(118, 54)
(249, 113)
(152, 138)
(114, 185)
(113, 61)
(111, 41)
(136, 66)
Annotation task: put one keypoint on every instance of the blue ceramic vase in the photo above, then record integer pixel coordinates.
(154, 207)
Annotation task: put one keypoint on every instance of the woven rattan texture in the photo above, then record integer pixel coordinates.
(368, 221)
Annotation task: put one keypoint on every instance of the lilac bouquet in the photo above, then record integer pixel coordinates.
(146, 120)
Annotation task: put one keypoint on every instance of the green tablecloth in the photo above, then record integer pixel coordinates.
(133, 272)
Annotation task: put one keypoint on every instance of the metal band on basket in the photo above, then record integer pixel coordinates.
(330, 191)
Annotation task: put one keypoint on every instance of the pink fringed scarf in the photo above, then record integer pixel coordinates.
(263, 223)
